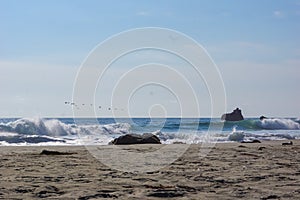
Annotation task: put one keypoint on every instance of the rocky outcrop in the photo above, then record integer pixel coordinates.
(236, 115)
(146, 138)
(262, 117)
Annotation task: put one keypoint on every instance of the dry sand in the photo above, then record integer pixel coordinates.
(230, 171)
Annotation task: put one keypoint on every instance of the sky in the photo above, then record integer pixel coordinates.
(255, 45)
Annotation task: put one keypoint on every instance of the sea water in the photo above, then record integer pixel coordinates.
(85, 131)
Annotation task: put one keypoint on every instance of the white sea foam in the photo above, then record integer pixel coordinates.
(236, 135)
(37, 131)
(186, 138)
(7, 134)
(18, 132)
(54, 127)
(276, 123)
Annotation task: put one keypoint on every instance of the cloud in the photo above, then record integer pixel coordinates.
(278, 14)
(143, 13)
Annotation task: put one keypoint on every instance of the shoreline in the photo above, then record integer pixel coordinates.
(176, 142)
(229, 171)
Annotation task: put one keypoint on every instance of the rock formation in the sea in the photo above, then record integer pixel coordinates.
(236, 115)
(262, 117)
(146, 138)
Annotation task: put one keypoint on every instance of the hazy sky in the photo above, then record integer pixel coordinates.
(255, 44)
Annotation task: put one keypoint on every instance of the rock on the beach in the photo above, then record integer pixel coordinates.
(49, 152)
(146, 138)
(251, 141)
(235, 115)
(287, 143)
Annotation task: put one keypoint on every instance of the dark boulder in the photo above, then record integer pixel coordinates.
(236, 115)
(252, 141)
(49, 152)
(146, 138)
(287, 143)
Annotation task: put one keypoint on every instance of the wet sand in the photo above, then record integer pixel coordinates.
(266, 170)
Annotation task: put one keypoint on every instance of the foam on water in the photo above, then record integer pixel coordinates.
(182, 137)
(54, 127)
(7, 134)
(37, 131)
(30, 131)
(276, 123)
(36, 126)
(235, 135)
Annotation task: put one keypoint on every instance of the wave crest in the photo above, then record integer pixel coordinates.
(276, 123)
(54, 127)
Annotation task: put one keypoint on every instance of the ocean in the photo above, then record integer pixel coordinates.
(69, 131)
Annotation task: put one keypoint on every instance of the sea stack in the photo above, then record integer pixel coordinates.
(262, 117)
(235, 115)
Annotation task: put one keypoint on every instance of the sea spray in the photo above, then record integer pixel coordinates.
(235, 135)
(54, 127)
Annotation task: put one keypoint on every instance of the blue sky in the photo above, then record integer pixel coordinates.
(255, 44)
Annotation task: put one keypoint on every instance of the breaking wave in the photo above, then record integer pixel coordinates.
(275, 124)
(265, 124)
(30, 131)
(54, 127)
(39, 131)
(247, 124)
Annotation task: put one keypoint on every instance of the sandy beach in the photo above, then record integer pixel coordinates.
(266, 170)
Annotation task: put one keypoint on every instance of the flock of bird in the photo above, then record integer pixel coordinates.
(77, 106)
